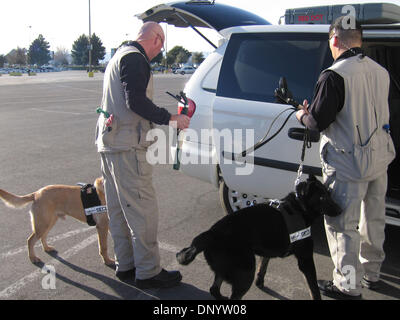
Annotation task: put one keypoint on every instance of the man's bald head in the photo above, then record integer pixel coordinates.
(151, 38)
(149, 30)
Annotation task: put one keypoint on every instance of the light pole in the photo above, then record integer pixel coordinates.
(90, 45)
(30, 35)
(166, 47)
(30, 42)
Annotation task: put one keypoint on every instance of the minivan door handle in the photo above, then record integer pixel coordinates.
(298, 134)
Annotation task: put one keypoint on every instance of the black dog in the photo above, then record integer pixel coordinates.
(231, 244)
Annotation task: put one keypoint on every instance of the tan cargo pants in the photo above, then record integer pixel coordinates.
(356, 237)
(133, 211)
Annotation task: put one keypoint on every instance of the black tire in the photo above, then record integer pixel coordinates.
(224, 198)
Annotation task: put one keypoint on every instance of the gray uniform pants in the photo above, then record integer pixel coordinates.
(133, 211)
(357, 252)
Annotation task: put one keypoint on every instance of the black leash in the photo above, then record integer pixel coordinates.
(262, 142)
(283, 95)
(306, 145)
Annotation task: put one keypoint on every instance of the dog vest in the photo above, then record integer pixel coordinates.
(294, 221)
(91, 203)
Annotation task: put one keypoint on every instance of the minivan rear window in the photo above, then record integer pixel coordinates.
(253, 64)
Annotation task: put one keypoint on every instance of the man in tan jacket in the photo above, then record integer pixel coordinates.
(350, 108)
(121, 141)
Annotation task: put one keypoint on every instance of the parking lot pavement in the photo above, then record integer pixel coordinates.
(47, 137)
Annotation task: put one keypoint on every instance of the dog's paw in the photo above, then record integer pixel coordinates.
(35, 260)
(109, 262)
(50, 249)
(217, 294)
(260, 283)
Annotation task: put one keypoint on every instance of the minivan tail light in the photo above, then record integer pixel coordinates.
(191, 108)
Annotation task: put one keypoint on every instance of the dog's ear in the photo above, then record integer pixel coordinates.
(311, 177)
(301, 189)
(99, 184)
(328, 205)
(331, 208)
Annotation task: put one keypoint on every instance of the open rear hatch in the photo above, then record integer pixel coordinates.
(206, 14)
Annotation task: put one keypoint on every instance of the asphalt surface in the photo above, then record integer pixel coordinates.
(47, 127)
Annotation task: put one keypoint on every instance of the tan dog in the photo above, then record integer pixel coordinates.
(53, 202)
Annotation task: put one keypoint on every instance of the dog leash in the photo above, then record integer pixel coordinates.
(306, 144)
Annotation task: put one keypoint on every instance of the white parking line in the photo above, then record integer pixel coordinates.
(63, 112)
(50, 240)
(18, 285)
(77, 88)
(21, 283)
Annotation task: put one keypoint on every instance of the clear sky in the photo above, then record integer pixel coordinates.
(62, 22)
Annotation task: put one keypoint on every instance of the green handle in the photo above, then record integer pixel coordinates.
(185, 110)
(177, 163)
(100, 110)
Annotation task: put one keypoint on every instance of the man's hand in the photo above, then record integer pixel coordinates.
(179, 121)
(303, 111)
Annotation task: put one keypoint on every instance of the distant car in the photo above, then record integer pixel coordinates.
(159, 68)
(186, 70)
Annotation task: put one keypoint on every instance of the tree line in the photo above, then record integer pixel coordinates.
(39, 54)
(179, 55)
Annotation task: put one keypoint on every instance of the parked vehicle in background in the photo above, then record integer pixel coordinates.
(27, 69)
(186, 70)
(174, 69)
(159, 68)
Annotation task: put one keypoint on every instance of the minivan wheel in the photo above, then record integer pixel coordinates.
(232, 201)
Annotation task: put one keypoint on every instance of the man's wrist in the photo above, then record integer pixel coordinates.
(301, 119)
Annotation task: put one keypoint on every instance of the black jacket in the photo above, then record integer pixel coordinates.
(135, 75)
(328, 97)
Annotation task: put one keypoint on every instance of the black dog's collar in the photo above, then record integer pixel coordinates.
(91, 203)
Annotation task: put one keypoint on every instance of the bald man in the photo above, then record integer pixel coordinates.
(121, 141)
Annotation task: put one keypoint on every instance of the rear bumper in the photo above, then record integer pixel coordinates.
(198, 161)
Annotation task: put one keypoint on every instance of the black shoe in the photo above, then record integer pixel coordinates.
(126, 275)
(164, 279)
(371, 285)
(330, 290)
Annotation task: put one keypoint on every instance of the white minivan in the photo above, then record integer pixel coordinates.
(233, 90)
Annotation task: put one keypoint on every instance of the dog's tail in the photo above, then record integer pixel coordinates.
(199, 244)
(14, 201)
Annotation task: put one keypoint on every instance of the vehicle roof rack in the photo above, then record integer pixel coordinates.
(367, 13)
(201, 1)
